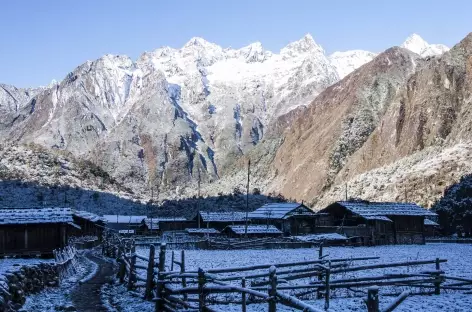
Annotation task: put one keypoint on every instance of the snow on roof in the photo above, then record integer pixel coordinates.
(279, 211)
(88, 216)
(123, 219)
(321, 237)
(366, 208)
(35, 215)
(254, 229)
(202, 231)
(74, 225)
(233, 216)
(153, 223)
(430, 222)
(381, 218)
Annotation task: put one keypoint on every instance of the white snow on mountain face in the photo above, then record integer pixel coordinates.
(348, 61)
(418, 45)
(204, 67)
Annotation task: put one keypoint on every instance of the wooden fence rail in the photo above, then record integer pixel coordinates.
(178, 288)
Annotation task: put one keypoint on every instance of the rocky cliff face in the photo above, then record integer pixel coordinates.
(406, 138)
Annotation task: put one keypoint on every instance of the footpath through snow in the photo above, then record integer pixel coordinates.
(79, 292)
(87, 295)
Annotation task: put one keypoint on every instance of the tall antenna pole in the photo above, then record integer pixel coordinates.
(346, 192)
(199, 181)
(247, 195)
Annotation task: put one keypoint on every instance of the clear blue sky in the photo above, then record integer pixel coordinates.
(46, 39)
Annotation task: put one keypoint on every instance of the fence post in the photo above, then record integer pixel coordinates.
(320, 251)
(132, 273)
(182, 270)
(201, 290)
(150, 274)
(437, 282)
(172, 262)
(243, 295)
(327, 294)
(272, 289)
(160, 290)
(373, 299)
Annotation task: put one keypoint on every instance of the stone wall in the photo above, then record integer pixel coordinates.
(15, 285)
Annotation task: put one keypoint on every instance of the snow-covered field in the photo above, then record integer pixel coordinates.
(459, 264)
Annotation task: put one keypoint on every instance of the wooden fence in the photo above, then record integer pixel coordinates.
(175, 288)
(66, 261)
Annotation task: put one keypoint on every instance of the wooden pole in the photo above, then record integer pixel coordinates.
(247, 196)
(182, 270)
(172, 262)
(327, 289)
(272, 289)
(243, 295)
(150, 274)
(201, 290)
(132, 273)
(373, 299)
(395, 303)
(160, 291)
(320, 257)
(346, 192)
(437, 283)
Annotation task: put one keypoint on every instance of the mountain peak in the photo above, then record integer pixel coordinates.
(198, 42)
(418, 45)
(305, 44)
(253, 53)
(415, 43)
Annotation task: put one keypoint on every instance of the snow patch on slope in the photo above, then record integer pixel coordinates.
(348, 61)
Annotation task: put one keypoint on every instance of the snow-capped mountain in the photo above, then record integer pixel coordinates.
(348, 61)
(177, 114)
(173, 111)
(418, 45)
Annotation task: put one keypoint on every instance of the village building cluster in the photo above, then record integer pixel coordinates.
(40, 230)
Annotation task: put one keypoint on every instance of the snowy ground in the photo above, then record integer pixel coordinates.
(458, 255)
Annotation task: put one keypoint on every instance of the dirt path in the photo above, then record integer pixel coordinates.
(86, 297)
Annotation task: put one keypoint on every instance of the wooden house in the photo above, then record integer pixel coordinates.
(32, 231)
(290, 218)
(252, 231)
(125, 225)
(90, 224)
(219, 220)
(158, 225)
(377, 223)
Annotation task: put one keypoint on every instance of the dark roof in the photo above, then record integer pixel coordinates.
(35, 215)
(368, 209)
(233, 216)
(279, 211)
